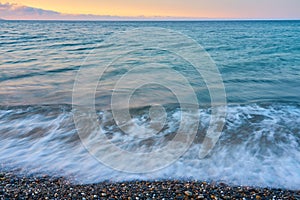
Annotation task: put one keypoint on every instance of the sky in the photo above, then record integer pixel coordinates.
(111, 9)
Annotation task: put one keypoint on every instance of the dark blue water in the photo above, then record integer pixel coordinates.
(259, 62)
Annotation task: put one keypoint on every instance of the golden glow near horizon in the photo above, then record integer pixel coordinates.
(173, 8)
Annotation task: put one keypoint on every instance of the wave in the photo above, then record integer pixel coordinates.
(259, 145)
(40, 73)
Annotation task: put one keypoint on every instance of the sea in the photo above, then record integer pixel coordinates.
(256, 65)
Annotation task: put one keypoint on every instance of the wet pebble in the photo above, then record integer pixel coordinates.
(45, 187)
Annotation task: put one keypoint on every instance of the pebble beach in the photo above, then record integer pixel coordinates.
(45, 187)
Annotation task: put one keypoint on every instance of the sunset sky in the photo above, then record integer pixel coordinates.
(224, 9)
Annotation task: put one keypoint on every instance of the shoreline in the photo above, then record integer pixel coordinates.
(46, 187)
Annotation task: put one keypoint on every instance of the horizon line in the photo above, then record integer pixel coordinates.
(162, 19)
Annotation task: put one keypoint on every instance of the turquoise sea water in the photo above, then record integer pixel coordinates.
(259, 62)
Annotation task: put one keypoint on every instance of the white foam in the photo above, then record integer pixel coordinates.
(259, 146)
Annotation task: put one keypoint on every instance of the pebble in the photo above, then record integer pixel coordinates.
(188, 193)
(14, 187)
